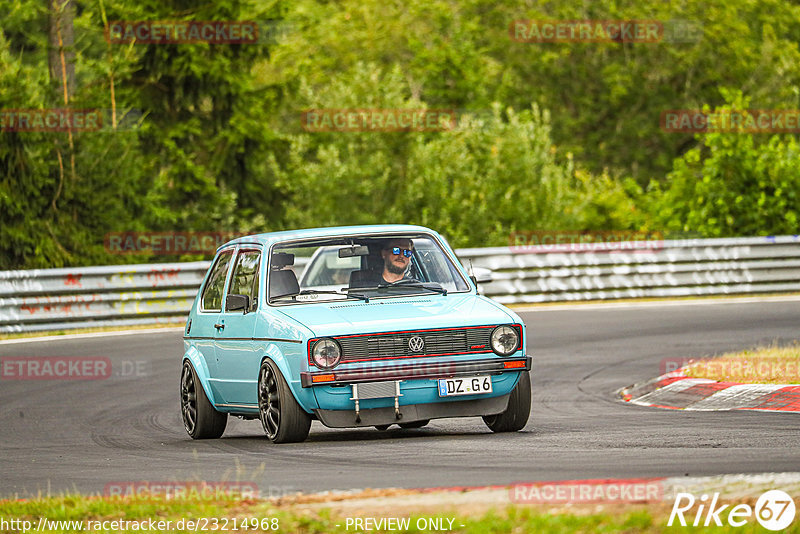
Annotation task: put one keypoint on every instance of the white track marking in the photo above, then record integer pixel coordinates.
(546, 306)
(91, 335)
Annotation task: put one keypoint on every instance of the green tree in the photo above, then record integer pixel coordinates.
(194, 162)
(732, 185)
(605, 98)
(205, 132)
(489, 175)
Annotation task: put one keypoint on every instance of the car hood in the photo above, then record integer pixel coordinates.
(402, 313)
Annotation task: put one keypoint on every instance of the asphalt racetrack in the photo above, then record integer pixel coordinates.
(84, 435)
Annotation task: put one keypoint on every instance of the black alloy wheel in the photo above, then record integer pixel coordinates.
(200, 419)
(284, 421)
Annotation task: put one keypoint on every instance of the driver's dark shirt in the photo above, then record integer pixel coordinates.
(371, 279)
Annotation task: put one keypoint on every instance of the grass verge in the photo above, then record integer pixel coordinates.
(151, 514)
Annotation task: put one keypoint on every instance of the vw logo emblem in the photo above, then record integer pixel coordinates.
(416, 344)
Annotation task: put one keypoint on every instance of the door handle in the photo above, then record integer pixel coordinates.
(219, 325)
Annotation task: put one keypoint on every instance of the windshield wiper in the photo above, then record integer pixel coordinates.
(321, 292)
(431, 286)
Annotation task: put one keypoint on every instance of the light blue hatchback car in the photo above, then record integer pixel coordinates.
(354, 327)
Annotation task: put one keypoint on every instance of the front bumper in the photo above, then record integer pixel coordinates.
(491, 366)
(412, 412)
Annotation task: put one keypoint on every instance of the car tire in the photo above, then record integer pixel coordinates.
(382, 427)
(415, 424)
(284, 421)
(200, 419)
(515, 417)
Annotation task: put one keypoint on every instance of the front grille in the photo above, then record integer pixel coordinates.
(396, 345)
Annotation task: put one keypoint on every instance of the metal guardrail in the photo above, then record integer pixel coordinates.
(56, 299)
(640, 269)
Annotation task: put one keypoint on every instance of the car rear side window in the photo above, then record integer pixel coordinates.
(212, 293)
(245, 276)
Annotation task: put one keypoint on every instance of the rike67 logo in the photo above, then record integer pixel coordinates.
(774, 510)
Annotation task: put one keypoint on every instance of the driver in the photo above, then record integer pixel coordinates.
(396, 255)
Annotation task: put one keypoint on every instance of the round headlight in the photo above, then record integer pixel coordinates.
(326, 353)
(505, 340)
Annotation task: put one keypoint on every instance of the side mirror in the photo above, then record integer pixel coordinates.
(237, 302)
(481, 275)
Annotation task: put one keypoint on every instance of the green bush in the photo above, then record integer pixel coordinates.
(488, 175)
(732, 185)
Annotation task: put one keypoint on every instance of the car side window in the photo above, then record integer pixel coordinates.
(212, 293)
(246, 276)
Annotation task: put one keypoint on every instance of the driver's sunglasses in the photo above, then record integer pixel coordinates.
(406, 252)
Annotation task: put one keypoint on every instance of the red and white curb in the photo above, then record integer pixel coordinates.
(677, 391)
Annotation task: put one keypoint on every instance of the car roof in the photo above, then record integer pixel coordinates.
(333, 231)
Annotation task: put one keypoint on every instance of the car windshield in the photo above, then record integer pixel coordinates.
(361, 268)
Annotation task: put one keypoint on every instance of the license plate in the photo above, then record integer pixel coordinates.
(468, 385)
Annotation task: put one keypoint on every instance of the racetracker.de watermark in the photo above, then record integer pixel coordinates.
(166, 243)
(182, 489)
(587, 31)
(365, 372)
(604, 31)
(68, 120)
(195, 31)
(550, 241)
(731, 121)
(70, 368)
(588, 491)
(736, 369)
(378, 120)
